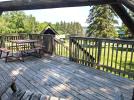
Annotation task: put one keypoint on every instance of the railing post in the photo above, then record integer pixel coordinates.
(48, 42)
(99, 52)
(70, 48)
(2, 41)
(53, 44)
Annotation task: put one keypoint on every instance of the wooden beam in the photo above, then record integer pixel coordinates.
(133, 94)
(44, 4)
(123, 14)
(129, 4)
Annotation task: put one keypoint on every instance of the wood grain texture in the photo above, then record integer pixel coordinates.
(58, 77)
(5, 82)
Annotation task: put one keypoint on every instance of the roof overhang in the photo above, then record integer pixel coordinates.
(117, 5)
(129, 4)
(44, 4)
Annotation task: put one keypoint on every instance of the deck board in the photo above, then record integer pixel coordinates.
(57, 76)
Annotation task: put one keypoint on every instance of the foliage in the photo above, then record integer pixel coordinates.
(69, 28)
(19, 22)
(101, 21)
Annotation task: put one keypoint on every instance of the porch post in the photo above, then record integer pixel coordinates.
(99, 52)
(70, 48)
(124, 15)
(48, 42)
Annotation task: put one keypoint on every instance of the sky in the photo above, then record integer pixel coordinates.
(75, 14)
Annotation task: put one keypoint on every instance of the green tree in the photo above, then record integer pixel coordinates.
(40, 26)
(79, 28)
(16, 21)
(101, 21)
(68, 28)
(4, 26)
(30, 24)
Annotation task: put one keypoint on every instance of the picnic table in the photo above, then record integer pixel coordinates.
(30, 44)
(24, 47)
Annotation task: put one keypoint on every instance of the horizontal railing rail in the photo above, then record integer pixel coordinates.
(111, 55)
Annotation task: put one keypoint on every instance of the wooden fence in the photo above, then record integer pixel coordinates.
(61, 49)
(110, 55)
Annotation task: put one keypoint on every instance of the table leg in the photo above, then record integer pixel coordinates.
(6, 56)
(21, 56)
(12, 48)
(13, 87)
(0, 53)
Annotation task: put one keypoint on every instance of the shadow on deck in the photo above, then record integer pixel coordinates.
(56, 76)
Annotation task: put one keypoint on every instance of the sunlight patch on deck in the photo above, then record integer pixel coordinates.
(61, 87)
(17, 71)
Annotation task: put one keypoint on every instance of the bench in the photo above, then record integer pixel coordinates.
(4, 50)
(37, 51)
(34, 51)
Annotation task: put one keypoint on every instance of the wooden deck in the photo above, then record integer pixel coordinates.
(56, 76)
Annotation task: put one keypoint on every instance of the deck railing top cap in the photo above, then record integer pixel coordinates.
(102, 39)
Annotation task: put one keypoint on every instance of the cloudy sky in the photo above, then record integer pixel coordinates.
(77, 14)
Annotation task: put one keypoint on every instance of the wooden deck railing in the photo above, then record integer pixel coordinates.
(61, 49)
(110, 55)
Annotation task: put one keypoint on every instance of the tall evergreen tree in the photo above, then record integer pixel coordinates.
(101, 21)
